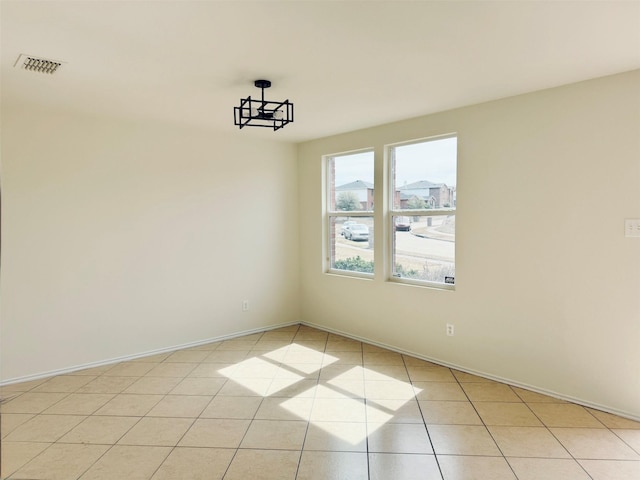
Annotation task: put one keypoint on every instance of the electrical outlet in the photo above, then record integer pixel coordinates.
(450, 330)
(632, 227)
(245, 305)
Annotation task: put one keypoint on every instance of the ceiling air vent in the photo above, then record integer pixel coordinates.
(36, 64)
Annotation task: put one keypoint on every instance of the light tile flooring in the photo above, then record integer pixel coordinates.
(299, 403)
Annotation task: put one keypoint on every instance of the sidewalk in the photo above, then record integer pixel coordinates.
(433, 233)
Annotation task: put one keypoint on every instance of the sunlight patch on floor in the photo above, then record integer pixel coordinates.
(337, 400)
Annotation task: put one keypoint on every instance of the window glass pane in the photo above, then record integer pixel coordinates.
(423, 177)
(351, 182)
(351, 243)
(426, 250)
(350, 179)
(424, 174)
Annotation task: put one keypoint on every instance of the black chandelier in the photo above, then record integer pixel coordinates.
(263, 113)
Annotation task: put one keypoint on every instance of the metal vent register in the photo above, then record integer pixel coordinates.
(36, 64)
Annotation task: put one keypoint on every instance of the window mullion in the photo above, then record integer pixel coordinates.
(428, 213)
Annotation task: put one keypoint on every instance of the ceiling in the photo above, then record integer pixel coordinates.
(345, 64)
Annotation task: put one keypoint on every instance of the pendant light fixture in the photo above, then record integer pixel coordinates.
(263, 113)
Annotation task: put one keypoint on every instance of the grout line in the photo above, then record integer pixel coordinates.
(548, 429)
(110, 445)
(313, 402)
(489, 431)
(469, 371)
(366, 415)
(624, 441)
(424, 422)
(318, 381)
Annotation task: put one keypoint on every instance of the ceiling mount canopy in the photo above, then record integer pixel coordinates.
(263, 113)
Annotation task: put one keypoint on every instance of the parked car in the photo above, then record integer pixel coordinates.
(356, 231)
(403, 224)
(345, 225)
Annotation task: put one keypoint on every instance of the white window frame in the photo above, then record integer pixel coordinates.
(331, 214)
(396, 212)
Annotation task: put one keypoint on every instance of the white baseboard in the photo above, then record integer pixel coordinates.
(507, 381)
(135, 356)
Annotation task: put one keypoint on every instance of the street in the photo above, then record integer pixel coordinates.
(413, 252)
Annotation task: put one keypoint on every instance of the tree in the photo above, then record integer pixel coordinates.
(417, 203)
(347, 201)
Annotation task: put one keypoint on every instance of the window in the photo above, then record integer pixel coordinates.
(419, 206)
(423, 211)
(350, 213)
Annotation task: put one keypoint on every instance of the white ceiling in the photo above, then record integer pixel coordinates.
(345, 64)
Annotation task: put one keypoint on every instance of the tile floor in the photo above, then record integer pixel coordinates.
(299, 403)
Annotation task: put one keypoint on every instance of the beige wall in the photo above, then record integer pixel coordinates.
(120, 238)
(547, 286)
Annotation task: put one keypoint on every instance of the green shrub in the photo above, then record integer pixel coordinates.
(355, 264)
(407, 273)
(430, 273)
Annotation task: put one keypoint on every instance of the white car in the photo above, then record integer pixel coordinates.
(356, 231)
(345, 225)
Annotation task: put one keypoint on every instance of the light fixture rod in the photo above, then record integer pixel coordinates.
(262, 84)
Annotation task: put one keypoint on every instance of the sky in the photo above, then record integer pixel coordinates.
(434, 160)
